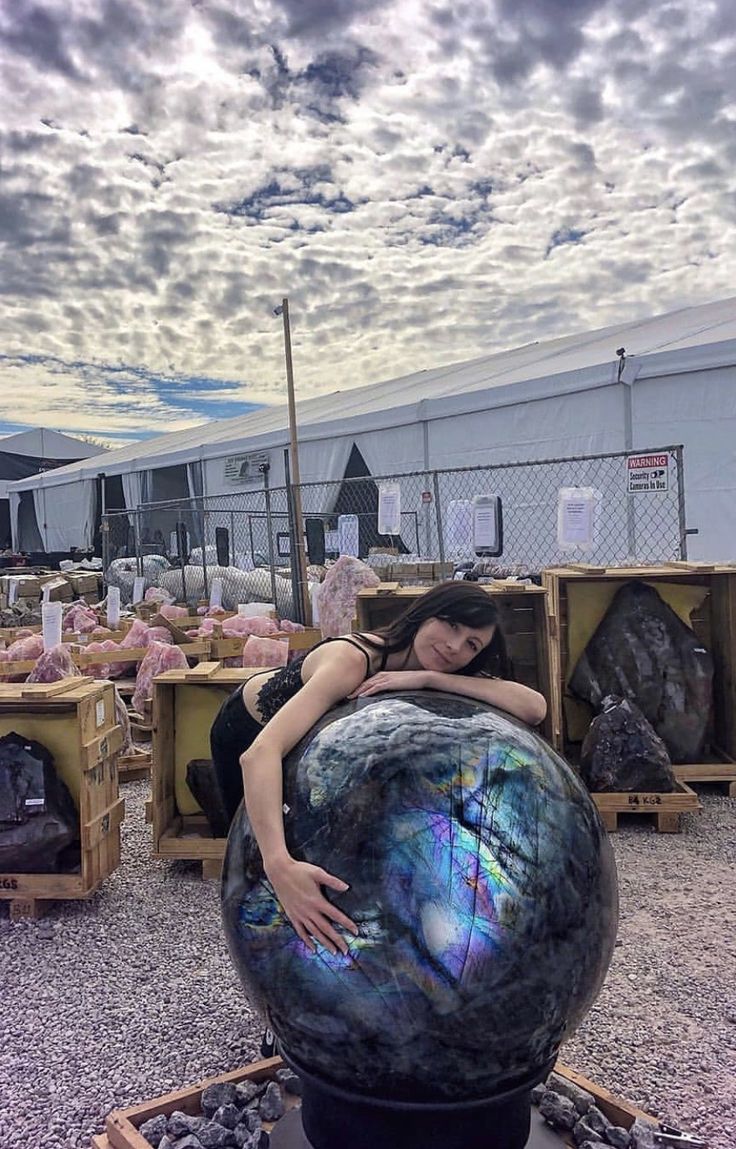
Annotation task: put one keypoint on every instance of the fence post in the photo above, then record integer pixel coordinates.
(203, 536)
(681, 502)
(137, 538)
(296, 589)
(438, 516)
(264, 469)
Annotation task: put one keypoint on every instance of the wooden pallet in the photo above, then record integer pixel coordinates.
(523, 619)
(666, 809)
(185, 704)
(122, 1125)
(75, 720)
(722, 771)
(132, 766)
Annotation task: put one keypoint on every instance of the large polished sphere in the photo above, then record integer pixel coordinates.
(481, 879)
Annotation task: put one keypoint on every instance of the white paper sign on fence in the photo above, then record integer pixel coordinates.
(347, 535)
(577, 515)
(113, 606)
(139, 588)
(486, 518)
(389, 509)
(459, 527)
(216, 592)
(51, 624)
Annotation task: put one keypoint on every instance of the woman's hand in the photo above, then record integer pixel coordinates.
(393, 680)
(297, 886)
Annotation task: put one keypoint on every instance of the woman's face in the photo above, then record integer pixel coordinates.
(449, 646)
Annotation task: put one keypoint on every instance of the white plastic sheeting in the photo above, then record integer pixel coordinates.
(66, 515)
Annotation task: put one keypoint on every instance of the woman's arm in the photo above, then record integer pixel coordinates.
(513, 697)
(340, 669)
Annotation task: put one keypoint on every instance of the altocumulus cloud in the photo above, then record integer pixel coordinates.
(426, 181)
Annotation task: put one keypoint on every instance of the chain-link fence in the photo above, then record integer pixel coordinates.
(637, 500)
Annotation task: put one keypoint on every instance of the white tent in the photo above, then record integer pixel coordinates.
(563, 397)
(29, 453)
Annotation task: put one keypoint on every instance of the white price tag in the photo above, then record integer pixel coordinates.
(100, 712)
(51, 624)
(113, 606)
(139, 588)
(216, 592)
(12, 591)
(46, 593)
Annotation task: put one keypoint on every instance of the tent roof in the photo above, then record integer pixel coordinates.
(688, 339)
(43, 443)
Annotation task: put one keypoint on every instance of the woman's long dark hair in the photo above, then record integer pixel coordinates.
(464, 602)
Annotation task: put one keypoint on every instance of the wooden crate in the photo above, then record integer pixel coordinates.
(198, 650)
(523, 619)
(75, 720)
(233, 647)
(185, 704)
(713, 620)
(122, 1125)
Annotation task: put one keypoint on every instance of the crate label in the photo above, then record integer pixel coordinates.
(8, 883)
(104, 747)
(100, 712)
(645, 800)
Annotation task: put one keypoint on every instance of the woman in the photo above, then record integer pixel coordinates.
(449, 640)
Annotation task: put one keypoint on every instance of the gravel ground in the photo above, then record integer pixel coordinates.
(112, 1001)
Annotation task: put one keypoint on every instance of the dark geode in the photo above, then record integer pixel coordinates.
(644, 652)
(622, 752)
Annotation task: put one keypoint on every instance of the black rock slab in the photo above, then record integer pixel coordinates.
(643, 651)
(38, 818)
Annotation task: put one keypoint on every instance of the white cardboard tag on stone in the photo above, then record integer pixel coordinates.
(139, 586)
(113, 606)
(51, 624)
(216, 592)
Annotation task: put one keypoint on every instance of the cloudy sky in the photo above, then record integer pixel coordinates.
(427, 181)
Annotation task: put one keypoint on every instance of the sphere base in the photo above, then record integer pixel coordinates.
(332, 1118)
(288, 1133)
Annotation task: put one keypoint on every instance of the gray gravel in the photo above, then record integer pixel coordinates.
(113, 1001)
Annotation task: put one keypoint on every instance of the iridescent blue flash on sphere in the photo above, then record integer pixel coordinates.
(481, 879)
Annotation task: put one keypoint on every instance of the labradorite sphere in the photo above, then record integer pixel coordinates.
(482, 882)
